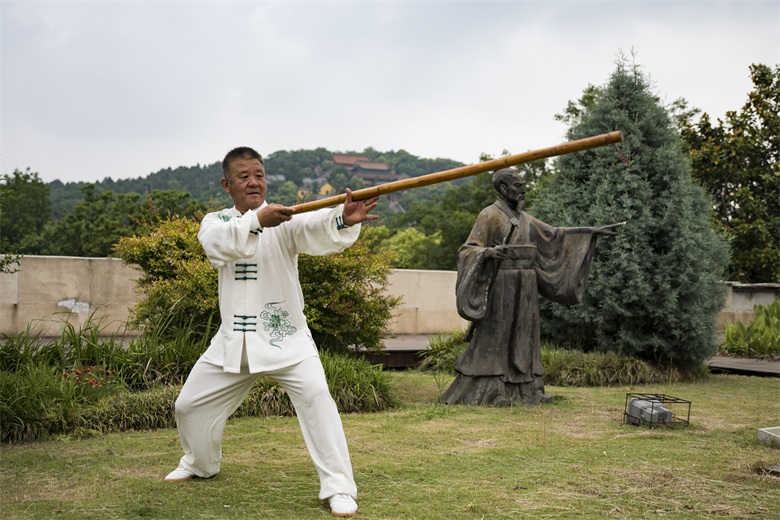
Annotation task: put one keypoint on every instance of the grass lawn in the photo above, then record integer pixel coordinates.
(570, 459)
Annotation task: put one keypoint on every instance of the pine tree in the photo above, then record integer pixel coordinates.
(655, 289)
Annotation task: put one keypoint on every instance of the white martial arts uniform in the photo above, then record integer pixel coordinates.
(264, 331)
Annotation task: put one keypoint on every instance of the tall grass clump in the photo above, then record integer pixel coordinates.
(75, 347)
(167, 358)
(443, 351)
(85, 383)
(565, 367)
(38, 400)
(146, 410)
(356, 385)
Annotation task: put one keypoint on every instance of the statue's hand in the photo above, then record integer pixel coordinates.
(610, 230)
(499, 252)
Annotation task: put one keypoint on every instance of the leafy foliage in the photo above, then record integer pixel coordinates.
(178, 283)
(760, 338)
(296, 165)
(9, 258)
(738, 162)
(346, 301)
(201, 182)
(410, 248)
(94, 224)
(655, 290)
(24, 208)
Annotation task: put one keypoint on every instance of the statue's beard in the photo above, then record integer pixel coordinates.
(516, 204)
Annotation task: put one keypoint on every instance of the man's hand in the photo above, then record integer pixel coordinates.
(356, 211)
(274, 214)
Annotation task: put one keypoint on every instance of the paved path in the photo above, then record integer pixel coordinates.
(745, 366)
(409, 345)
(408, 342)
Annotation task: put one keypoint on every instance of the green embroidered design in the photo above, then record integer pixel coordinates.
(276, 321)
(224, 216)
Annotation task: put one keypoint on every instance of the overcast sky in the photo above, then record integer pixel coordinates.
(121, 89)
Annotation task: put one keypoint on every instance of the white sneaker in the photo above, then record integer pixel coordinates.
(342, 505)
(180, 474)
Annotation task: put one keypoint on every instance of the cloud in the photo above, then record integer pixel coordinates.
(123, 89)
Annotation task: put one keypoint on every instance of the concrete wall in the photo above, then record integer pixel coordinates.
(428, 305)
(741, 299)
(47, 292)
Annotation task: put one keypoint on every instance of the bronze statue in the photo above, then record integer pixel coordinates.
(508, 260)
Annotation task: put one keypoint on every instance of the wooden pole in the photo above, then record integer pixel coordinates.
(465, 171)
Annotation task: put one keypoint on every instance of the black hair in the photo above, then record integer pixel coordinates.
(242, 152)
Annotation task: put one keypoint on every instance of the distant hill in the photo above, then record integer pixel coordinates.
(202, 181)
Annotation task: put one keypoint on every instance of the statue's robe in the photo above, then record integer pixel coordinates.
(503, 364)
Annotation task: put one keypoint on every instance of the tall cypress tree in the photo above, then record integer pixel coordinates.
(654, 290)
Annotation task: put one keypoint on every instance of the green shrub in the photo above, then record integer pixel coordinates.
(356, 386)
(345, 294)
(760, 338)
(178, 284)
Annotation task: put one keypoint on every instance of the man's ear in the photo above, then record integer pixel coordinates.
(224, 183)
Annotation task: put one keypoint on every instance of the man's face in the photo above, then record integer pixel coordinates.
(245, 183)
(514, 190)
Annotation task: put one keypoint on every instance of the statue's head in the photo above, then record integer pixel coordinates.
(510, 185)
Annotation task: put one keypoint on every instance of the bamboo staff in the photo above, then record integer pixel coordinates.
(465, 171)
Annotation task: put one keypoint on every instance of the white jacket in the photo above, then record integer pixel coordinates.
(260, 296)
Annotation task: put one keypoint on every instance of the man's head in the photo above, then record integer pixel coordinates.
(510, 186)
(244, 178)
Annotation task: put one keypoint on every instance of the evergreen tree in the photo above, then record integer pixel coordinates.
(654, 290)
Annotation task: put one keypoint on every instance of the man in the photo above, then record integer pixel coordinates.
(508, 259)
(254, 246)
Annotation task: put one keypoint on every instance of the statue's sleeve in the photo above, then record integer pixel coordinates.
(475, 271)
(563, 261)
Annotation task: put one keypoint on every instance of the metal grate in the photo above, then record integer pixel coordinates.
(656, 410)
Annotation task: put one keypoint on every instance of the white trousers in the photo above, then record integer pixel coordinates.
(210, 395)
